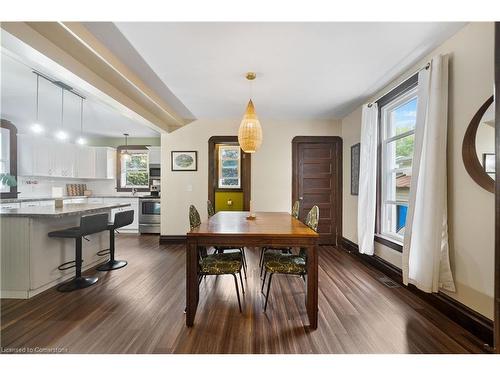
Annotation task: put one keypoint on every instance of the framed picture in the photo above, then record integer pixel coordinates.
(184, 160)
(355, 168)
(489, 163)
(229, 165)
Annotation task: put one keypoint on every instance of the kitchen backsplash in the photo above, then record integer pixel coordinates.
(34, 187)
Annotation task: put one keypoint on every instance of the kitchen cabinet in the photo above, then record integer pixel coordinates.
(85, 162)
(44, 157)
(105, 162)
(154, 155)
(47, 203)
(134, 205)
(25, 155)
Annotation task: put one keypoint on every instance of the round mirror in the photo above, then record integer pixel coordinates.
(478, 149)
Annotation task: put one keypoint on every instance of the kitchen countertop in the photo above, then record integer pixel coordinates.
(51, 212)
(34, 199)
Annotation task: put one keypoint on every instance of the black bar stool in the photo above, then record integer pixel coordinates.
(122, 219)
(88, 225)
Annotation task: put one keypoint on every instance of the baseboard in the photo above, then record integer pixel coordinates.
(477, 324)
(164, 239)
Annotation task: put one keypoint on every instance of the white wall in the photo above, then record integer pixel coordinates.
(271, 186)
(471, 208)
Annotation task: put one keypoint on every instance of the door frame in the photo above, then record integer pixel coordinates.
(337, 205)
(496, 320)
(246, 169)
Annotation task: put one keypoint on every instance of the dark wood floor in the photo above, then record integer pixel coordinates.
(139, 309)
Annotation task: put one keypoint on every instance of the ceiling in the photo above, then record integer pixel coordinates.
(304, 70)
(18, 105)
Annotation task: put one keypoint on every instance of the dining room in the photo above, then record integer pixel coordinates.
(341, 204)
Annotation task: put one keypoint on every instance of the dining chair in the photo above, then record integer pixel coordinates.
(290, 264)
(267, 252)
(225, 249)
(218, 263)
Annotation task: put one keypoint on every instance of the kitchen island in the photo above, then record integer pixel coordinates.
(29, 258)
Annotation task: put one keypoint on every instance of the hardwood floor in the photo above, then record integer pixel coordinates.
(139, 309)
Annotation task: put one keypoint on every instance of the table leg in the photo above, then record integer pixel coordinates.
(312, 286)
(192, 291)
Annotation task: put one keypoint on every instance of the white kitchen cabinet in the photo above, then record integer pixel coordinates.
(30, 204)
(64, 160)
(134, 205)
(24, 155)
(105, 160)
(85, 162)
(43, 150)
(154, 155)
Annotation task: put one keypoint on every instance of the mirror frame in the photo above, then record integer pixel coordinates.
(5, 124)
(469, 155)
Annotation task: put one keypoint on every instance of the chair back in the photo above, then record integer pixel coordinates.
(312, 218)
(194, 217)
(296, 209)
(124, 218)
(210, 209)
(93, 223)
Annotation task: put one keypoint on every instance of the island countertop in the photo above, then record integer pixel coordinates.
(66, 210)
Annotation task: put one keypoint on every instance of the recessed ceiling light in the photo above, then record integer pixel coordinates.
(61, 135)
(37, 128)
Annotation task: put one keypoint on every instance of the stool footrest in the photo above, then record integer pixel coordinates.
(67, 265)
(103, 252)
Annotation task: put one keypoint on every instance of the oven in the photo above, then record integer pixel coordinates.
(149, 215)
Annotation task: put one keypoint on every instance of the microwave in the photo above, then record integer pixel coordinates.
(154, 170)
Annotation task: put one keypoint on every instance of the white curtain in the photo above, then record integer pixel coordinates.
(425, 251)
(367, 197)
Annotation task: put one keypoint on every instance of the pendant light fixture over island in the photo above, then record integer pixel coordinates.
(250, 132)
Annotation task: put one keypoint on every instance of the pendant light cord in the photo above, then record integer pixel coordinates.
(37, 93)
(62, 108)
(81, 118)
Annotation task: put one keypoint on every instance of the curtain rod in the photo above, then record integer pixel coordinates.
(425, 67)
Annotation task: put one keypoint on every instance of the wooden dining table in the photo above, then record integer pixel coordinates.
(267, 229)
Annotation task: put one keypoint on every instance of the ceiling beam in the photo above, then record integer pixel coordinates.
(73, 47)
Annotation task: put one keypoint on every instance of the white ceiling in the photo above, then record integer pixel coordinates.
(304, 70)
(18, 105)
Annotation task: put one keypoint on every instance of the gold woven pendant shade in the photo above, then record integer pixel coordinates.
(250, 132)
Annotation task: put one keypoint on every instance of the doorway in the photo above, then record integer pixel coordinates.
(317, 180)
(229, 175)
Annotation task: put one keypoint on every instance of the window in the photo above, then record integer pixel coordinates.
(229, 171)
(133, 169)
(8, 160)
(397, 114)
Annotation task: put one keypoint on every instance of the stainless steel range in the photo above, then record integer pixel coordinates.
(149, 214)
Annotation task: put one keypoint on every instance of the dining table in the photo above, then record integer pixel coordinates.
(240, 229)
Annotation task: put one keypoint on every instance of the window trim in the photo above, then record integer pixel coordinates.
(399, 90)
(119, 150)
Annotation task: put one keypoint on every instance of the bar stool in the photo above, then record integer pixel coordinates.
(88, 225)
(122, 219)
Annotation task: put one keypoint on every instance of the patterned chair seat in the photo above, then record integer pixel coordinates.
(285, 263)
(219, 264)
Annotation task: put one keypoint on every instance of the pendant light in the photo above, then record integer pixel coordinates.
(81, 140)
(126, 155)
(250, 131)
(61, 134)
(37, 127)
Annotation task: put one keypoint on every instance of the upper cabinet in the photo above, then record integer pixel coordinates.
(154, 154)
(49, 158)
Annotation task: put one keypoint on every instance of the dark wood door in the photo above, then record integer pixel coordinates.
(317, 180)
